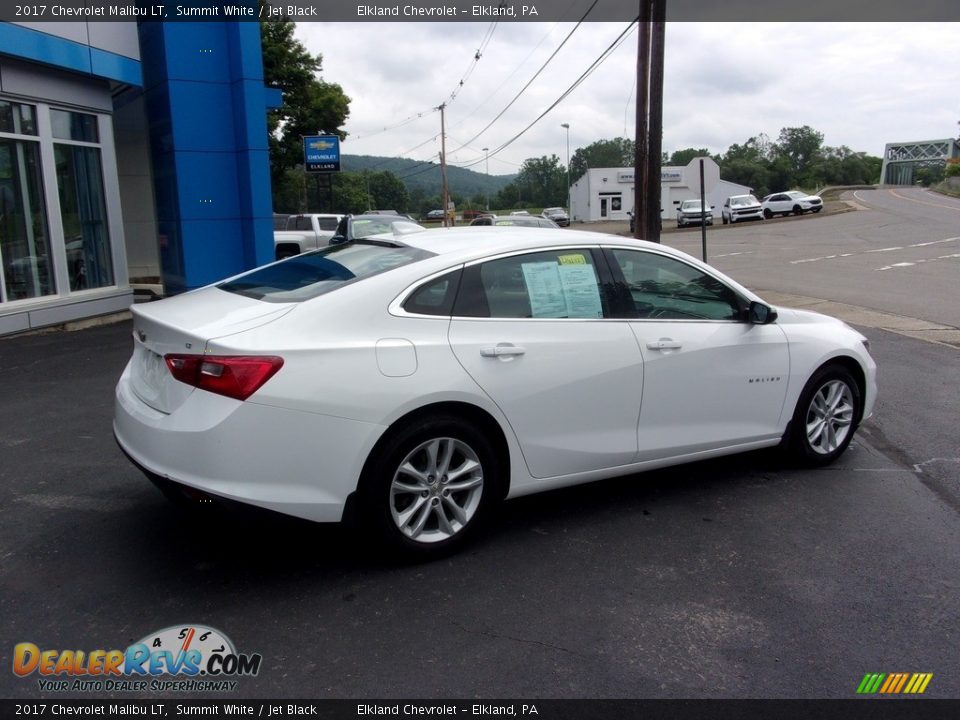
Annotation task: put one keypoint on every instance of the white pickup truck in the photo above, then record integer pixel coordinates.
(304, 232)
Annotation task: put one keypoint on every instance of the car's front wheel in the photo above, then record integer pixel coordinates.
(826, 416)
(429, 487)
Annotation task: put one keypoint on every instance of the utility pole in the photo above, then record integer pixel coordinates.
(486, 152)
(445, 197)
(648, 142)
(641, 180)
(655, 122)
(566, 126)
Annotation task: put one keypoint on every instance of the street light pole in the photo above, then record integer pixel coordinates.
(486, 157)
(566, 126)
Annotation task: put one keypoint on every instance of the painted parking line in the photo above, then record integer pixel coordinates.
(745, 252)
(918, 262)
(892, 248)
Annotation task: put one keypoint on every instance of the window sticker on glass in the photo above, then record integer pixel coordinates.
(581, 291)
(573, 259)
(562, 290)
(546, 292)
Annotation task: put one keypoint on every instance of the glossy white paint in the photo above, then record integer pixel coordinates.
(576, 400)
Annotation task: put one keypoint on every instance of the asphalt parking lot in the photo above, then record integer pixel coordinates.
(736, 578)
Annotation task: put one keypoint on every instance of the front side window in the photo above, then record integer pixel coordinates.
(550, 284)
(663, 288)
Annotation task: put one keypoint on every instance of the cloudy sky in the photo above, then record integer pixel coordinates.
(862, 85)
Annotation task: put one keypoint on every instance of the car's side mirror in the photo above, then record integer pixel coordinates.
(337, 239)
(761, 314)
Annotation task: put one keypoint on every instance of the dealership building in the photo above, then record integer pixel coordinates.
(131, 155)
(607, 193)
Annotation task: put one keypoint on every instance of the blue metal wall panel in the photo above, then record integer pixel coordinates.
(213, 251)
(116, 67)
(203, 115)
(31, 44)
(207, 186)
(204, 81)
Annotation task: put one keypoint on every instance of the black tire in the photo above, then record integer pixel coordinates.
(797, 210)
(725, 221)
(383, 507)
(808, 446)
(768, 213)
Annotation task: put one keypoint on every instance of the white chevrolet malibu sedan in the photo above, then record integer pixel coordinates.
(410, 383)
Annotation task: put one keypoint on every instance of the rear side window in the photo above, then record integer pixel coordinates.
(434, 297)
(327, 223)
(306, 276)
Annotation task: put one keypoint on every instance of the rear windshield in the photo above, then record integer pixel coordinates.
(306, 276)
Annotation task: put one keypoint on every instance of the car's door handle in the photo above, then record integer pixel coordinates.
(664, 344)
(502, 351)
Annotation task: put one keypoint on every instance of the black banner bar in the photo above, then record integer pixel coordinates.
(854, 709)
(472, 11)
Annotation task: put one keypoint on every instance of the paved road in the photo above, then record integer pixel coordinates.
(734, 578)
(743, 577)
(898, 253)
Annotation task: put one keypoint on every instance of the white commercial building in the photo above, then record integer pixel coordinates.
(607, 193)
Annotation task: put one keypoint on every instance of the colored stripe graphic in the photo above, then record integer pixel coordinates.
(894, 683)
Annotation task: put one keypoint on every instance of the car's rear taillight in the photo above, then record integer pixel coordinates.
(236, 376)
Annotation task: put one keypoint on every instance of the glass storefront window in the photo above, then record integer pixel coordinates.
(17, 118)
(24, 241)
(74, 126)
(84, 215)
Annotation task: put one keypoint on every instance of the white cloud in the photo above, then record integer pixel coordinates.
(861, 85)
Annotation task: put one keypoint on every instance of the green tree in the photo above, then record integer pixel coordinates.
(387, 192)
(683, 157)
(543, 181)
(309, 103)
(801, 146)
(603, 153)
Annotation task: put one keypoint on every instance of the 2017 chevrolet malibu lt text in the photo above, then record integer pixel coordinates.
(415, 381)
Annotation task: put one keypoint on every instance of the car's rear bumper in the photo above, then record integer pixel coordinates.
(300, 464)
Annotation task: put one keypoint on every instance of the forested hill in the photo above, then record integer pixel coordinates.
(426, 176)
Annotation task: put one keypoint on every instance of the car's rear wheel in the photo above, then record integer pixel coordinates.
(767, 213)
(826, 416)
(429, 487)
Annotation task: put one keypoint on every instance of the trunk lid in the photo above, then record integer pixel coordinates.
(185, 324)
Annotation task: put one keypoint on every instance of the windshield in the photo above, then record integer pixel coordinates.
(743, 200)
(306, 276)
(796, 195)
(365, 227)
(690, 205)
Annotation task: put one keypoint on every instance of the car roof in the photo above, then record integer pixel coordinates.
(463, 244)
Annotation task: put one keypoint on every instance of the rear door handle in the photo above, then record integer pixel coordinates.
(502, 351)
(664, 344)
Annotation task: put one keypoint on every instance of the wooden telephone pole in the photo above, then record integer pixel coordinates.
(648, 142)
(445, 193)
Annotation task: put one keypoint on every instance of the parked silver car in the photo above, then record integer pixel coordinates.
(691, 212)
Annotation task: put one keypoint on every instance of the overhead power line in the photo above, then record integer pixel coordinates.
(535, 76)
(576, 83)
